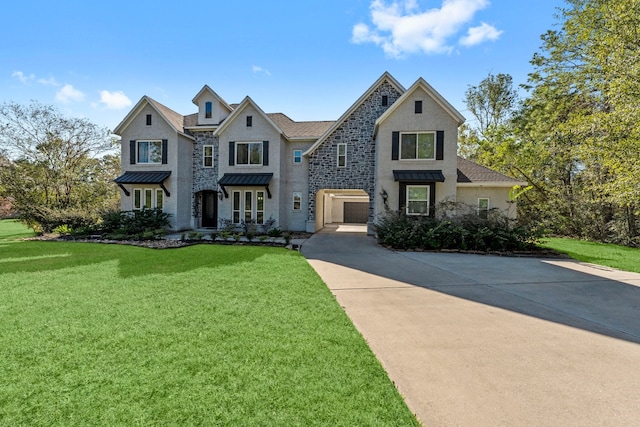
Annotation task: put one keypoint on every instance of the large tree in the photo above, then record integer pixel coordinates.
(57, 166)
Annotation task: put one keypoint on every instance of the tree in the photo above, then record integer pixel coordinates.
(55, 168)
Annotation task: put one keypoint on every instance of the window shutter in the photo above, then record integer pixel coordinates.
(265, 153)
(395, 145)
(232, 153)
(165, 145)
(132, 152)
(440, 145)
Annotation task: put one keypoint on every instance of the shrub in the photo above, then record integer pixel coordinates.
(145, 224)
(49, 219)
(274, 232)
(466, 231)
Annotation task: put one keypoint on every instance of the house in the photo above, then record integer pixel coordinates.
(394, 148)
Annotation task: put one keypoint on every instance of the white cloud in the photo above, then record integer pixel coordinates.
(114, 100)
(68, 93)
(257, 69)
(480, 34)
(51, 81)
(402, 28)
(22, 77)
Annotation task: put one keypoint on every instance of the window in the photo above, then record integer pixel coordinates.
(483, 208)
(297, 157)
(247, 205)
(148, 119)
(208, 109)
(207, 156)
(342, 155)
(417, 146)
(418, 107)
(249, 121)
(385, 100)
(249, 153)
(297, 201)
(149, 151)
(418, 199)
(236, 207)
(148, 198)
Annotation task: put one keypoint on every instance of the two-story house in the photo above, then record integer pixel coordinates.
(394, 148)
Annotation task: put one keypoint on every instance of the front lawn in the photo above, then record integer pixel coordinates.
(97, 334)
(616, 256)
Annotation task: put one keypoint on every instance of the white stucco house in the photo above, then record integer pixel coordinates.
(394, 148)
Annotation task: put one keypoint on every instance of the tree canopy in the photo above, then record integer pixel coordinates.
(55, 166)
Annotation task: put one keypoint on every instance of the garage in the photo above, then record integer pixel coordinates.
(341, 206)
(356, 212)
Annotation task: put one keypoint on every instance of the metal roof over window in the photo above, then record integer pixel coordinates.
(245, 180)
(418, 175)
(143, 177)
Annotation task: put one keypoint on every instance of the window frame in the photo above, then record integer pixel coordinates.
(341, 155)
(148, 142)
(249, 144)
(142, 195)
(417, 108)
(249, 121)
(297, 201)
(297, 157)
(427, 200)
(247, 205)
(149, 120)
(236, 206)
(206, 156)
(417, 135)
(208, 110)
(483, 212)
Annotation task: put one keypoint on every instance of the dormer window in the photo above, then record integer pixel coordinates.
(249, 121)
(148, 119)
(208, 108)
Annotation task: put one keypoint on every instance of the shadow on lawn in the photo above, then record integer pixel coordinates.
(37, 256)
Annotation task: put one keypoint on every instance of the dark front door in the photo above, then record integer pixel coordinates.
(209, 208)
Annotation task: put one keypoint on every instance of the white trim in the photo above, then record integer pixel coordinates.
(417, 148)
(296, 195)
(204, 156)
(138, 141)
(144, 101)
(428, 187)
(238, 111)
(338, 155)
(142, 193)
(294, 157)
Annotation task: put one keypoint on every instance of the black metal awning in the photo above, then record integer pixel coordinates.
(418, 176)
(245, 180)
(156, 177)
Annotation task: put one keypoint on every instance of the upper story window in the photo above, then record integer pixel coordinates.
(385, 100)
(297, 157)
(249, 121)
(418, 107)
(207, 160)
(342, 155)
(150, 152)
(148, 119)
(417, 146)
(249, 153)
(208, 110)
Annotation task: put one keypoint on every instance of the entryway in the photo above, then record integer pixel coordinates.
(341, 206)
(209, 209)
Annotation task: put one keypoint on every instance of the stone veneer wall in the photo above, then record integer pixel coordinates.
(203, 178)
(357, 133)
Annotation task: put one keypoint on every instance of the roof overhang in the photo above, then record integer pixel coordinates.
(245, 180)
(156, 177)
(418, 176)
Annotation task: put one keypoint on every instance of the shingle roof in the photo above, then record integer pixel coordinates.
(143, 177)
(310, 129)
(175, 119)
(471, 172)
(191, 120)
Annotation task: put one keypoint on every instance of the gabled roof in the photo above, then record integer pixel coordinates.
(422, 84)
(471, 173)
(300, 130)
(205, 89)
(384, 77)
(239, 109)
(175, 120)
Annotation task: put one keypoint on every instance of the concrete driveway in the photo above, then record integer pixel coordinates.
(475, 340)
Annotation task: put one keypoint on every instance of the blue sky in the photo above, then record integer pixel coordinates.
(309, 60)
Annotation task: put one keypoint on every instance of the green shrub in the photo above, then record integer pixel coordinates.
(48, 219)
(62, 229)
(145, 224)
(465, 231)
(274, 232)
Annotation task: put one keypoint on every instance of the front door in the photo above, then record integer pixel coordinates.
(210, 209)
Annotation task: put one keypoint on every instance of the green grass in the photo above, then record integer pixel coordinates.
(616, 256)
(95, 334)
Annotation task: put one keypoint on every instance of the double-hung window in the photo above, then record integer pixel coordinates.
(483, 208)
(297, 157)
(207, 153)
(417, 146)
(297, 201)
(150, 152)
(249, 153)
(342, 155)
(418, 199)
